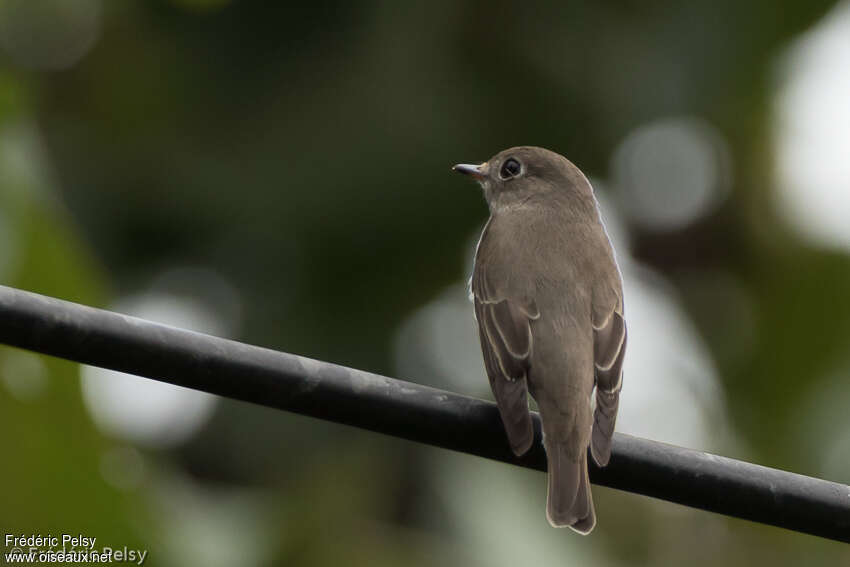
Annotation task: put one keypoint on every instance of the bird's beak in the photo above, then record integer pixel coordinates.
(476, 171)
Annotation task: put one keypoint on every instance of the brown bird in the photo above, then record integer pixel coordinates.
(549, 304)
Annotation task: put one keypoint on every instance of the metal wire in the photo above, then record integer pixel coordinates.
(411, 411)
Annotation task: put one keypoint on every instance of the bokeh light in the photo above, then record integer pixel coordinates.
(146, 411)
(123, 467)
(219, 528)
(24, 375)
(48, 34)
(671, 172)
(812, 132)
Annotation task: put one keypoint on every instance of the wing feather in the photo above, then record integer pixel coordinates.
(504, 328)
(609, 347)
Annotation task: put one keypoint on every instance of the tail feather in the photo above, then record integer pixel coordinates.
(585, 525)
(569, 502)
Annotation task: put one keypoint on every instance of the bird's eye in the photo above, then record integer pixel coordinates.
(510, 168)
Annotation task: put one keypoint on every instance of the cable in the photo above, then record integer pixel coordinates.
(411, 411)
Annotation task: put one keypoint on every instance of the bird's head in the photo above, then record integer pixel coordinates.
(519, 174)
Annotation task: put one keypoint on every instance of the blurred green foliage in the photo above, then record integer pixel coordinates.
(51, 450)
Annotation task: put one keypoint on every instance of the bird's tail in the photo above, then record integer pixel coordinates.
(569, 502)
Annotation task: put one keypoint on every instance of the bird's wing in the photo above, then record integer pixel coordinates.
(504, 328)
(609, 346)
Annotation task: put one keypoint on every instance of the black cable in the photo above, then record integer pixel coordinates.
(403, 409)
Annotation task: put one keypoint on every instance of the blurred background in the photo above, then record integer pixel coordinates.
(278, 173)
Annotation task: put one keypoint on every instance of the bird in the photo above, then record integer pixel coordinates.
(548, 300)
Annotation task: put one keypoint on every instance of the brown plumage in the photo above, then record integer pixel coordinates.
(549, 305)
